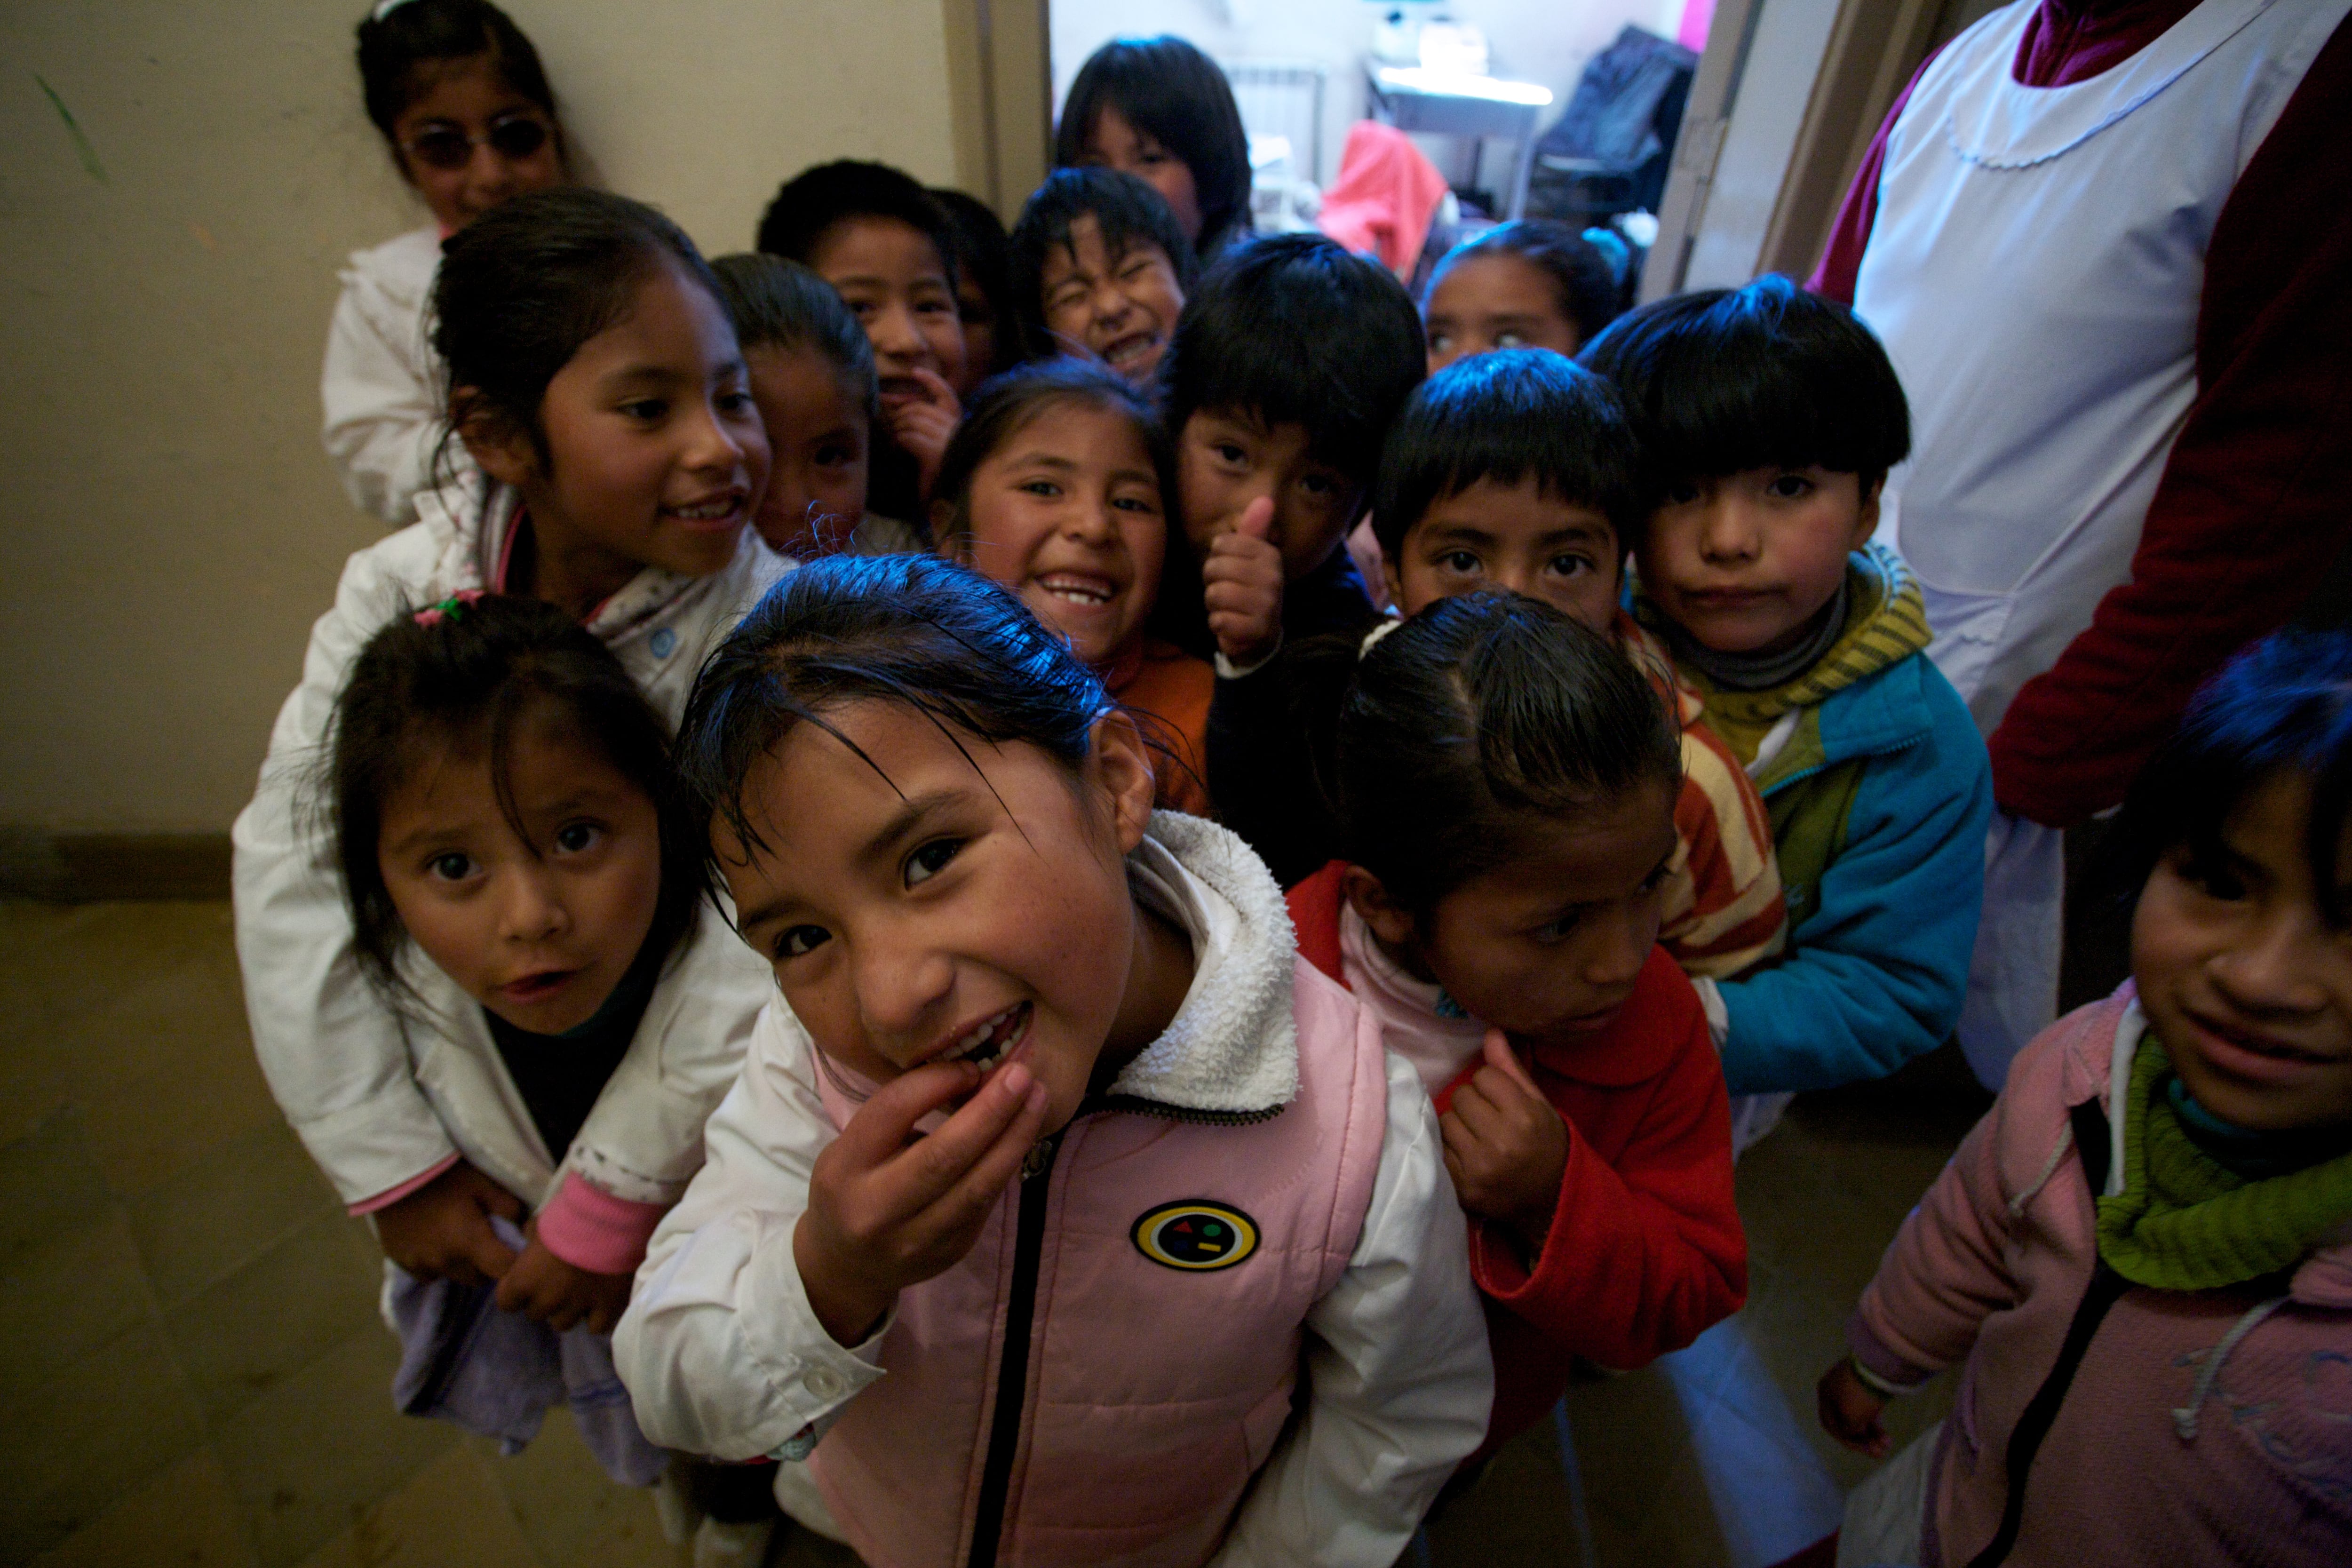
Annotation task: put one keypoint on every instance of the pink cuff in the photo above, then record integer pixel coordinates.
(384, 1199)
(1881, 1359)
(591, 1229)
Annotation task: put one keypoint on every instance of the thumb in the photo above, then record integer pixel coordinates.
(1505, 1061)
(1257, 519)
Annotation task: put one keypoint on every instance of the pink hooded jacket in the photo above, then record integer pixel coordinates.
(2201, 1427)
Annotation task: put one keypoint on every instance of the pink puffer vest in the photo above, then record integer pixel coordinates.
(1154, 1277)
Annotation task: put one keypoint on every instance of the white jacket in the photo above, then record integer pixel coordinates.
(381, 384)
(333, 1049)
(723, 1355)
(642, 1138)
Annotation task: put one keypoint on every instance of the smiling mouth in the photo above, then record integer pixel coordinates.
(720, 511)
(1130, 353)
(2262, 1045)
(992, 1039)
(1086, 592)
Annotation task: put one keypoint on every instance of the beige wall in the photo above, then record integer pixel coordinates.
(172, 527)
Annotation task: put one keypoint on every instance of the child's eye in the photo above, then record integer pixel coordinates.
(1439, 342)
(800, 941)
(733, 402)
(1557, 929)
(1569, 565)
(450, 867)
(1682, 494)
(1148, 505)
(574, 836)
(1322, 487)
(1790, 487)
(1510, 339)
(1460, 560)
(836, 454)
(931, 860)
(1138, 267)
(1229, 452)
(1045, 487)
(645, 409)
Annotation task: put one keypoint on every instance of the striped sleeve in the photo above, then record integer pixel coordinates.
(1723, 905)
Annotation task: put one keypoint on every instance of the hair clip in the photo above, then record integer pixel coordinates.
(452, 608)
(1372, 638)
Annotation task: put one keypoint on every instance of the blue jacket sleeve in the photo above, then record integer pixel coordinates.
(1875, 973)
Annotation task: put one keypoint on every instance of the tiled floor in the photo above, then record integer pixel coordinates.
(192, 1370)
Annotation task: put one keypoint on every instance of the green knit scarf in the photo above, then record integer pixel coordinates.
(2185, 1223)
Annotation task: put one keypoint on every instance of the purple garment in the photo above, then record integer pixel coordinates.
(497, 1373)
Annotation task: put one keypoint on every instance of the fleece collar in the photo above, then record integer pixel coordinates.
(1232, 1046)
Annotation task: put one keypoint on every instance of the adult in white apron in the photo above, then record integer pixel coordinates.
(2037, 267)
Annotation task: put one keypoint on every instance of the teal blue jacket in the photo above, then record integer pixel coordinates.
(1882, 902)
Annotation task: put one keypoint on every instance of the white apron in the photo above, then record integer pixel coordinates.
(2035, 270)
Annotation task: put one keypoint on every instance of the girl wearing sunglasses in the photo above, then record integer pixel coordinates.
(465, 111)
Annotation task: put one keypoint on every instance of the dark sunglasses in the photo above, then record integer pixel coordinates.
(513, 136)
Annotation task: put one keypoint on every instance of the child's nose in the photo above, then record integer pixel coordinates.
(2272, 970)
(1111, 304)
(1726, 529)
(892, 332)
(1615, 962)
(532, 910)
(900, 988)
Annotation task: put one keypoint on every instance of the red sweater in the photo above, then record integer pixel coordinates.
(2251, 511)
(1645, 1249)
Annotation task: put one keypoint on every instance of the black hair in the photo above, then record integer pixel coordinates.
(809, 203)
(1170, 91)
(984, 256)
(1723, 380)
(394, 46)
(1583, 282)
(473, 678)
(1293, 330)
(2283, 705)
(1469, 724)
(782, 305)
(524, 285)
(913, 630)
(1003, 405)
(1129, 213)
(1509, 415)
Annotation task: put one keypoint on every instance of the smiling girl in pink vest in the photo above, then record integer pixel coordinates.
(2143, 1254)
(1061, 1215)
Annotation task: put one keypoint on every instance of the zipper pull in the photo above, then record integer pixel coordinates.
(1040, 1156)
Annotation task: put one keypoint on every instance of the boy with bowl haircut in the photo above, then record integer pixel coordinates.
(1767, 420)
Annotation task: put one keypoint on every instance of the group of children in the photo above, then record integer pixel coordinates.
(1031, 999)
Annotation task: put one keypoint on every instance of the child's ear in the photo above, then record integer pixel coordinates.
(500, 450)
(955, 546)
(1122, 762)
(1866, 521)
(1390, 921)
(1393, 580)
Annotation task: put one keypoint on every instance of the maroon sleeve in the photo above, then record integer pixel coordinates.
(2255, 503)
(1841, 260)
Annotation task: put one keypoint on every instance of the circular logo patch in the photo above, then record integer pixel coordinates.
(1195, 1235)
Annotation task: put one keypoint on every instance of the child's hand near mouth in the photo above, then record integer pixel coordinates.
(924, 424)
(887, 1209)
